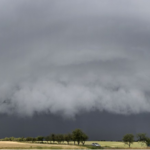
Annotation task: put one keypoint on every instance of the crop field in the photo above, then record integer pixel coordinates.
(21, 145)
(113, 144)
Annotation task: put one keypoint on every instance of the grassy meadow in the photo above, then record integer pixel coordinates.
(113, 144)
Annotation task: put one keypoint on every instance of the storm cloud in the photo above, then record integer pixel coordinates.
(73, 56)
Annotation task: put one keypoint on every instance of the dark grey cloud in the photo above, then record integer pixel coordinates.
(97, 125)
(67, 57)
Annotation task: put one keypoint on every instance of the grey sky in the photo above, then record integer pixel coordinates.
(97, 125)
(72, 56)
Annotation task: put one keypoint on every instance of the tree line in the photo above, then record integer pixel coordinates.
(141, 137)
(76, 136)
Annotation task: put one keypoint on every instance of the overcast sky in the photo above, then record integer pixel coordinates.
(73, 57)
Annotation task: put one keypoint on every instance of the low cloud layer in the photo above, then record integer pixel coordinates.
(74, 56)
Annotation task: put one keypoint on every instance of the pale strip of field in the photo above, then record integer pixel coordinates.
(54, 149)
(8, 145)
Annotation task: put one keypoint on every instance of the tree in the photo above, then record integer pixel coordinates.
(84, 138)
(68, 137)
(73, 138)
(29, 139)
(128, 139)
(50, 138)
(46, 138)
(53, 137)
(12, 138)
(141, 137)
(40, 138)
(59, 138)
(147, 141)
(6, 139)
(20, 139)
(33, 139)
(79, 136)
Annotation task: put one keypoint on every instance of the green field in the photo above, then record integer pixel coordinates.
(114, 144)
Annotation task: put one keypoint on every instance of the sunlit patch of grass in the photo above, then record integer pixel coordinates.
(116, 144)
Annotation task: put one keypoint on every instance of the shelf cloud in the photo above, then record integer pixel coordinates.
(71, 57)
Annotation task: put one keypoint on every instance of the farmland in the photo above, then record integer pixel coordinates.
(25, 145)
(104, 144)
(113, 144)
